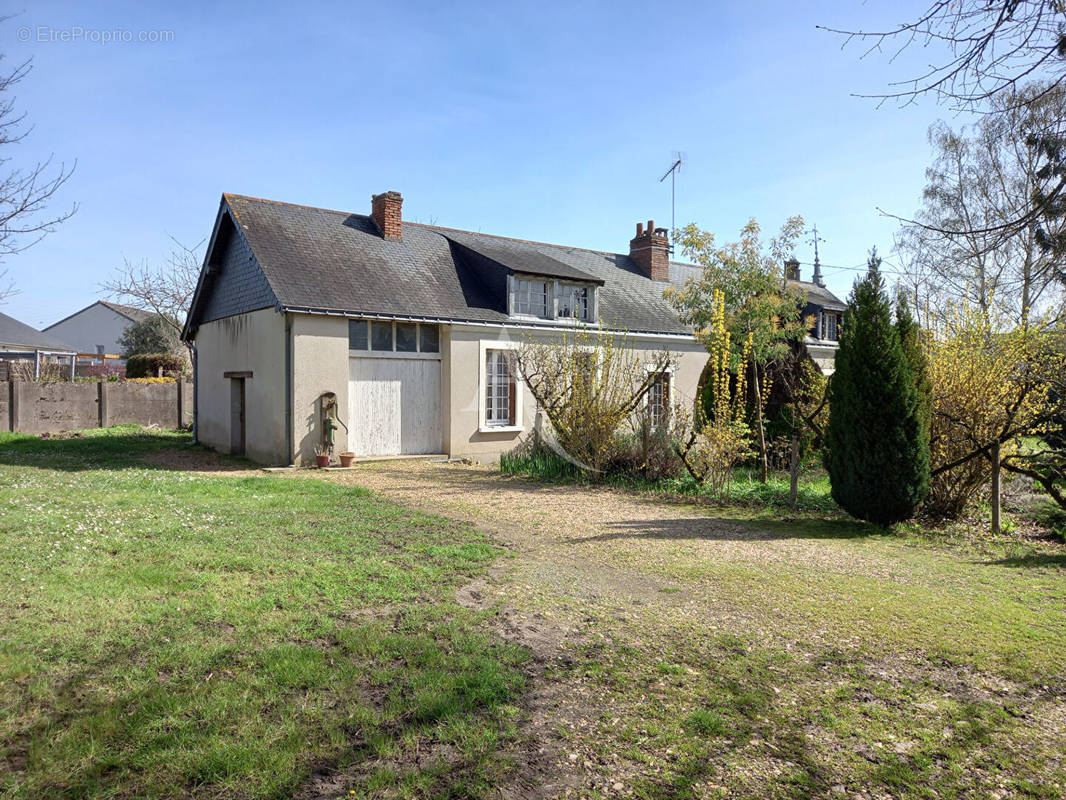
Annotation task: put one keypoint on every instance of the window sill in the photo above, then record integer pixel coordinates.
(392, 354)
(500, 429)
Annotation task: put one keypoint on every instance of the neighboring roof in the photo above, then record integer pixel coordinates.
(15, 335)
(321, 260)
(819, 295)
(129, 312)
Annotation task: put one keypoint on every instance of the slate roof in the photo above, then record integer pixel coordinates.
(129, 312)
(15, 335)
(321, 260)
(819, 295)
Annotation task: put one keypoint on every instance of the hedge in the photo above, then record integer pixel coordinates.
(153, 365)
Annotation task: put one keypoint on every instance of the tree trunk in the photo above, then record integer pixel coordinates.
(763, 468)
(995, 489)
(794, 472)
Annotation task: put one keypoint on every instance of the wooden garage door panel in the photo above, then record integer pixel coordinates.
(394, 406)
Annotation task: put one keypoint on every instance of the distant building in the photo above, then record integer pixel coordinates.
(97, 328)
(826, 309)
(21, 343)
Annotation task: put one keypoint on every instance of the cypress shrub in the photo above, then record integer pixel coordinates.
(877, 442)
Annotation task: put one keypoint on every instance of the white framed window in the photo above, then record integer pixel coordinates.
(393, 339)
(499, 388)
(551, 299)
(531, 297)
(573, 301)
(830, 326)
(658, 398)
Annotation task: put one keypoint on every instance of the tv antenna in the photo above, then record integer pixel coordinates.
(671, 173)
(815, 238)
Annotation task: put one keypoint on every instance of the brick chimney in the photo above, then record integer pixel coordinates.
(651, 250)
(385, 209)
(792, 269)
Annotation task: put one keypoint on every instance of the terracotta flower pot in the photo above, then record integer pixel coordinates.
(346, 459)
(322, 461)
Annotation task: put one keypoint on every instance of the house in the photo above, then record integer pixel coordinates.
(21, 343)
(97, 328)
(825, 309)
(395, 337)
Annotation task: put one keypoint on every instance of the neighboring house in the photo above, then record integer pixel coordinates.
(401, 331)
(20, 342)
(827, 312)
(97, 328)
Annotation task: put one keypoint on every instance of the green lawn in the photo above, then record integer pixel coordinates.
(168, 634)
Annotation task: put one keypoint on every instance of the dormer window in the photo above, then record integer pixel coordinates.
(830, 327)
(551, 299)
(531, 297)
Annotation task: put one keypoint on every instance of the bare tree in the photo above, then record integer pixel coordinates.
(165, 289)
(992, 50)
(25, 192)
(7, 287)
(989, 48)
(982, 177)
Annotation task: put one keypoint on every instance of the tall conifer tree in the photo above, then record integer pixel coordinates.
(878, 436)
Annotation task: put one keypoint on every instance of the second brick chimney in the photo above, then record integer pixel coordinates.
(792, 269)
(386, 212)
(650, 249)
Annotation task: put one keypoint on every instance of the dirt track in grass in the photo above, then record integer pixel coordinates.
(836, 661)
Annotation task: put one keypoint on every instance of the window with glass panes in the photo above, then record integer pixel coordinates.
(830, 325)
(573, 302)
(531, 297)
(499, 388)
(659, 400)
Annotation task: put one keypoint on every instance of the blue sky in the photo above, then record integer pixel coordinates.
(542, 121)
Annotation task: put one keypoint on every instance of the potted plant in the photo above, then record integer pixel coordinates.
(346, 458)
(321, 456)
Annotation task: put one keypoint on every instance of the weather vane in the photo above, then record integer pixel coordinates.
(815, 238)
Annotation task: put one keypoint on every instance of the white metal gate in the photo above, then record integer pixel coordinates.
(394, 406)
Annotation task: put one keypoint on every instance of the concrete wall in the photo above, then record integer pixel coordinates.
(32, 407)
(249, 343)
(47, 407)
(464, 389)
(320, 364)
(93, 326)
(140, 403)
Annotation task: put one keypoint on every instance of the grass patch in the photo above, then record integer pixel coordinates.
(747, 489)
(167, 634)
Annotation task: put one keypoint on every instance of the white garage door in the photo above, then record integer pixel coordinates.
(394, 406)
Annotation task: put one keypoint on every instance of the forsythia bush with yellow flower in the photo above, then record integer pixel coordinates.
(989, 383)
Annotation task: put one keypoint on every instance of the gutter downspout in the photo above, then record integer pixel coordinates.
(195, 390)
(288, 388)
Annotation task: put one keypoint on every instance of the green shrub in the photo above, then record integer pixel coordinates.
(149, 365)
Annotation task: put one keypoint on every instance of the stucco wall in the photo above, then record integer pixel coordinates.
(320, 364)
(254, 343)
(464, 389)
(320, 360)
(95, 325)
